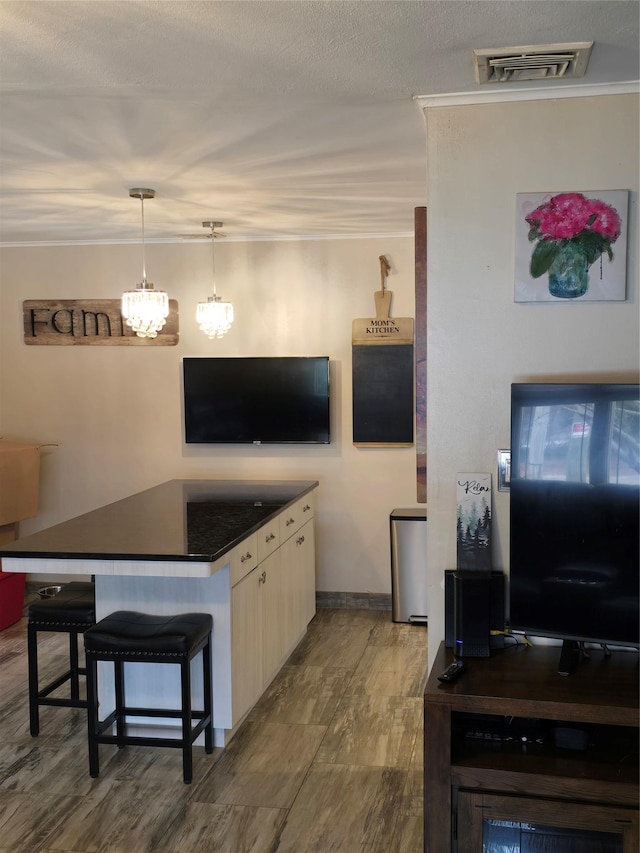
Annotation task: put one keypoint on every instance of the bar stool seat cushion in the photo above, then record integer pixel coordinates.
(75, 604)
(128, 632)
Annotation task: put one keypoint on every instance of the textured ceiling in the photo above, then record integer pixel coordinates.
(282, 119)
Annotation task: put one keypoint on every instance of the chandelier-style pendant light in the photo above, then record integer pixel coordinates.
(144, 309)
(214, 316)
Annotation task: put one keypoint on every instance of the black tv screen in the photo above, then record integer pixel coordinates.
(575, 509)
(257, 400)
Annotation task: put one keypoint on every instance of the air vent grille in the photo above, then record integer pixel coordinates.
(532, 62)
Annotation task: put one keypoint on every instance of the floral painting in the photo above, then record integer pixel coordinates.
(571, 246)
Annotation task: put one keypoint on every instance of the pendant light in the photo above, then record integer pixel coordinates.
(214, 316)
(144, 309)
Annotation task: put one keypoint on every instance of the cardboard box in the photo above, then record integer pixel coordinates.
(19, 481)
(11, 597)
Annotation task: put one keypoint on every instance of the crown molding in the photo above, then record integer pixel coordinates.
(497, 96)
(178, 241)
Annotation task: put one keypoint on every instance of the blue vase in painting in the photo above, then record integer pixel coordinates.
(569, 272)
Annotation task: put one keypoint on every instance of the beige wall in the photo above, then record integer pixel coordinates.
(115, 412)
(480, 341)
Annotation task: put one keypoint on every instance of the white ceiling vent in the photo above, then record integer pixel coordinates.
(532, 62)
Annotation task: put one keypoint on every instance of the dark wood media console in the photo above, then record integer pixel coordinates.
(512, 741)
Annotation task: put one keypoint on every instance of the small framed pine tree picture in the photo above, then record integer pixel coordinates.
(473, 527)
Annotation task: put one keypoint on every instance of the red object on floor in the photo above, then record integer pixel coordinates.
(11, 597)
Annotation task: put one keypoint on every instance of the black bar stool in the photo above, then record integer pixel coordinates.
(129, 637)
(71, 611)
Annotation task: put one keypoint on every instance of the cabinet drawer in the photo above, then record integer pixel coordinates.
(268, 538)
(243, 558)
(295, 516)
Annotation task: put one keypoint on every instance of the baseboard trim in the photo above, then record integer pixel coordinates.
(324, 600)
(353, 600)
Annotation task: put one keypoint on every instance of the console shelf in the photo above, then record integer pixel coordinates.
(492, 746)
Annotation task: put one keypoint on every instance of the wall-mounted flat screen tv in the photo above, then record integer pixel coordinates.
(257, 400)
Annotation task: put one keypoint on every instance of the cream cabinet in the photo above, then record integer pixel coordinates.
(268, 538)
(299, 587)
(273, 616)
(243, 558)
(246, 643)
(272, 601)
(308, 545)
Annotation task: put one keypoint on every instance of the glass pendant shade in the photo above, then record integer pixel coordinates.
(144, 309)
(214, 316)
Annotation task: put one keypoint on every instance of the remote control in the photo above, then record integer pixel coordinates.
(452, 672)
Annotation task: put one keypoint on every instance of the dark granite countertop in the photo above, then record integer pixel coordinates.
(181, 520)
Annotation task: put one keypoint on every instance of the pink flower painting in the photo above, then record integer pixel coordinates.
(571, 232)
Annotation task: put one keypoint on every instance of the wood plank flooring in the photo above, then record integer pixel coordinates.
(330, 759)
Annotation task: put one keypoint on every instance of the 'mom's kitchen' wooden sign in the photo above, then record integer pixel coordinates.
(89, 322)
(382, 374)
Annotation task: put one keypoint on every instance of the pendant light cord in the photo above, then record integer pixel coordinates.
(144, 265)
(213, 261)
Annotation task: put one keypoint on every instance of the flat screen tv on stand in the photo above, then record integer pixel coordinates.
(575, 510)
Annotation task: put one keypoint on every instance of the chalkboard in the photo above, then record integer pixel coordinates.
(383, 410)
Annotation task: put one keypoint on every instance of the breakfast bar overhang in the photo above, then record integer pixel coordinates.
(241, 550)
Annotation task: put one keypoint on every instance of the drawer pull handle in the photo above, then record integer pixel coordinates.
(262, 578)
(300, 540)
(291, 521)
(270, 537)
(306, 508)
(247, 556)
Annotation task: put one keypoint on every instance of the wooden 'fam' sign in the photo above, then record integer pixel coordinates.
(89, 322)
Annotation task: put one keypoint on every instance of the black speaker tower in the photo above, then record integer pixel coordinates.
(474, 612)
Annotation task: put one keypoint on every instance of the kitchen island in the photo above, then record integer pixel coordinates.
(241, 550)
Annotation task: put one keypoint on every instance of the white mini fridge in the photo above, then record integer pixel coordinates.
(409, 565)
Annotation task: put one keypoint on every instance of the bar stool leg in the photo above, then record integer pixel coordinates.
(185, 680)
(92, 718)
(73, 663)
(208, 700)
(118, 667)
(32, 654)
